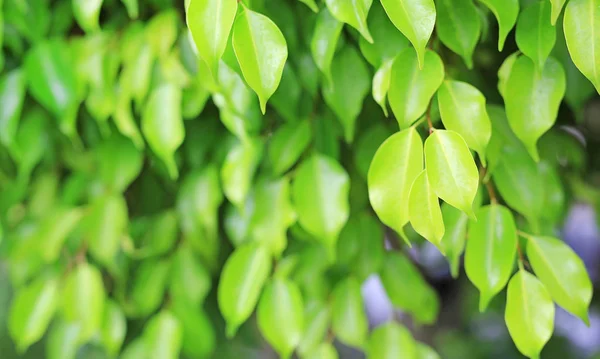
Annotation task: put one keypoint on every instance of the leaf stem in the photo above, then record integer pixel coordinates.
(488, 185)
(428, 116)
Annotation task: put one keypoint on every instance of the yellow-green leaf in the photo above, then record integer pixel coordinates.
(424, 210)
(391, 341)
(87, 14)
(557, 6)
(459, 27)
(238, 170)
(535, 34)
(324, 41)
(163, 335)
(190, 281)
(348, 320)
(104, 227)
(12, 95)
(317, 316)
(287, 145)
(506, 13)
(455, 235)
(114, 327)
(353, 13)
(381, 85)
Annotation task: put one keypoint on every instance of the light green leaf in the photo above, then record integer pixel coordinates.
(311, 4)
(581, 22)
(381, 85)
(165, 23)
(348, 320)
(324, 41)
(104, 226)
(238, 170)
(267, 227)
(391, 341)
(396, 164)
(557, 6)
(148, 287)
(455, 235)
(353, 13)
(162, 124)
(280, 316)
(451, 170)
(555, 201)
(286, 99)
(32, 141)
(504, 72)
(261, 51)
(535, 34)
(506, 13)
(189, 281)
(320, 195)
(160, 235)
(361, 245)
(241, 283)
(32, 310)
(323, 351)
(316, 323)
(199, 337)
(132, 8)
(287, 145)
(411, 88)
(54, 230)
(426, 352)
(563, 274)
(119, 162)
(210, 23)
(424, 210)
(367, 145)
(349, 86)
(459, 27)
(83, 299)
(62, 341)
(163, 335)
(114, 327)
(491, 250)
(529, 314)
(12, 95)
(87, 14)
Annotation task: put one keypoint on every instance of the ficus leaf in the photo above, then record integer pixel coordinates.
(529, 313)
(114, 327)
(238, 170)
(163, 335)
(451, 170)
(286, 99)
(199, 338)
(241, 283)
(455, 235)
(164, 23)
(63, 340)
(324, 351)
(311, 4)
(367, 145)
(317, 316)
(287, 145)
(424, 210)
(148, 286)
(119, 162)
(349, 320)
(535, 34)
(353, 13)
(412, 88)
(261, 51)
(361, 246)
(87, 14)
(189, 280)
(415, 19)
(381, 85)
(324, 41)
(132, 8)
(504, 71)
(210, 23)
(490, 251)
(391, 340)
(506, 13)
(54, 230)
(462, 108)
(396, 164)
(557, 6)
(581, 22)
(104, 226)
(426, 352)
(12, 95)
(563, 274)
(459, 27)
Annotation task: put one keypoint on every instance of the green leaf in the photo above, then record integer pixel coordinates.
(132, 8)
(581, 22)
(32, 310)
(353, 13)
(424, 210)
(114, 327)
(555, 204)
(166, 24)
(163, 335)
(529, 314)
(317, 316)
(261, 51)
(396, 164)
(161, 234)
(54, 230)
(32, 141)
(426, 352)
(287, 145)
(459, 27)
(267, 227)
(361, 246)
(381, 85)
(241, 283)
(87, 14)
(323, 351)
(83, 299)
(504, 72)
(367, 145)
(148, 287)
(62, 341)
(348, 319)
(506, 13)
(563, 274)
(320, 195)
(455, 235)
(189, 280)
(462, 108)
(451, 170)
(324, 41)
(162, 124)
(199, 337)
(533, 102)
(415, 19)
(311, 4)
(412, 88)
(391, 341)
(349, 86)
(286, 99)
(557, 6)
(210, 23)
(119, 162)
(491, 251)
(12, 95)
(280, 316)
(104, 226)
(535, 34)
(238, 170)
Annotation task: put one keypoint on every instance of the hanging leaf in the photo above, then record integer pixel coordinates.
(114, 327)
(119, 162)
(361, 246)
(391, 341)
(12, 95)
(163, 336)
(317, 316)
(381, 85)
(132, 8)
(455, 235)
(459, 27)
(280, 316)
(324, 41)
(166, 24)
(286, 99)
(504, 72)
(162, 124)
(349, 86)
(563, 274)
(54, 230)
(238, 170)
(411, 88)
(535, 34)
(261, 51)
(506, 13)
(451, 170)
(415, 19)
(148, 287)
(424, 210)
(426, 352)
(189, 281)
(287, 145)
(320, 195)
(353, 13)
(87, 14)
(557, 6)
(62, 341)
(311, 4)
(491, 250)
(529, 313)
(348, 320)
(104, 226)
(324, 351)
(367, 145)
(199, 338)
(241, 283)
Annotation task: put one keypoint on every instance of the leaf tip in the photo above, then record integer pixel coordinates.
(231, 330)
(484, 301)
(263, 105)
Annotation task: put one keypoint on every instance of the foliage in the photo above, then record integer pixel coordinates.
(158, 156)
